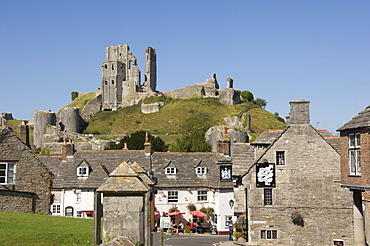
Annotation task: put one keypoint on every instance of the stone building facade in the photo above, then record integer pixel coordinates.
(25, 180)
(290, 194)
(355, 170)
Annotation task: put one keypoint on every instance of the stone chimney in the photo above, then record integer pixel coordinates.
(67, 150)
(223, 147)
(24, 133)
(299, 112)
(147, 145)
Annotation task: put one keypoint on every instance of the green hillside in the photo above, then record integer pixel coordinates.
(177, 117)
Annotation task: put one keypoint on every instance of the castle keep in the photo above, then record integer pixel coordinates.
(121, 85)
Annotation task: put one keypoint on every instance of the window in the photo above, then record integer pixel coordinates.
(78, 195)
(55, 209)
(82, 171)
(280, 158)
(354, 153)
(267, 196)
(79, 214)
(202, 195)
(201, 170)
(173, 196)
(268, 234)
(170, 170)
(7, 171)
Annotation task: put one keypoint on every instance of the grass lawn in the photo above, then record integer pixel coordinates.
(36, 229)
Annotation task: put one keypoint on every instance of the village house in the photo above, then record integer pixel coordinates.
(201, 179)
(291, 194)
(25, 182)
(355, 170)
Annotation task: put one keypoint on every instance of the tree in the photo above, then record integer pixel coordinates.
(261, 102)
(247, 96)
(136, 141)
(192, 142)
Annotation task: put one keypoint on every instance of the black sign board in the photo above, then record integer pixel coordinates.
(265, 175)
(226, 173)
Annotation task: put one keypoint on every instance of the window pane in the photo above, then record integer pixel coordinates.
(352, 162)
(10, 178)
(358, 140)
(351, 140)
(263, 234)
(358, 163)
(274, 234)
(268, 236)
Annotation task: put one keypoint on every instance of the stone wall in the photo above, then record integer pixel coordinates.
(31, 176)
(21, 202)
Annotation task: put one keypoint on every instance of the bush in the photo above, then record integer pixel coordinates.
(247, 96)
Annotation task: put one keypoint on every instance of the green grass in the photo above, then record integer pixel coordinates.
(36, 229)
(80, 101)
(176, 116)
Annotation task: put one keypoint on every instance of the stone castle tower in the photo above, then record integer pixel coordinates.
(121, 76)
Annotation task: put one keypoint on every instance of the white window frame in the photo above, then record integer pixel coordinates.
(354, 153)
(82, 171)
(55, 209)
(172, 196)
(280, 157)
(201, 171)
(170, 171)
(7, 172)
(202, 196)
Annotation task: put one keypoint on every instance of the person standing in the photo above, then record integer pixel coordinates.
(231, 230)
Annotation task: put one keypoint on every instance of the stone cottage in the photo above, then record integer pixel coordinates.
(202, 179)
(355, 169)
(291, 194)
(25, 180)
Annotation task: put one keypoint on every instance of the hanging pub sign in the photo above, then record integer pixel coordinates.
(225, 173)
(265, 175)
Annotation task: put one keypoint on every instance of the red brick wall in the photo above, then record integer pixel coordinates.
(364, 179)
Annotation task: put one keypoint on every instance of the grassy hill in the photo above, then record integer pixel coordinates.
(178, 117)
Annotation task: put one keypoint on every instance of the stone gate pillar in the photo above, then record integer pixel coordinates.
(125, 205)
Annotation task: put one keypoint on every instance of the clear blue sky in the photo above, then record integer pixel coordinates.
(278, 50)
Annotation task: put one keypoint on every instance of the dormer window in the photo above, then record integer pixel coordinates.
(82, 171)
(170, 170)
(201, 170)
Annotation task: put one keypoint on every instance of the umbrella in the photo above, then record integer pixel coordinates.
(198, 213)
(174, 213)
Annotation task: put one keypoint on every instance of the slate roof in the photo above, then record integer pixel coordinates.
(103, 163)
(361, 120)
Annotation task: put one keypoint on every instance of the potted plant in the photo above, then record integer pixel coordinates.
(297, 218)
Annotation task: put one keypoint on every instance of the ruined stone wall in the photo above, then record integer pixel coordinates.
(92, 107)
(69, 120)
(150, 69)
(41, 120)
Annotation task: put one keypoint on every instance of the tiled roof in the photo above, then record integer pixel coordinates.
(359, 121)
